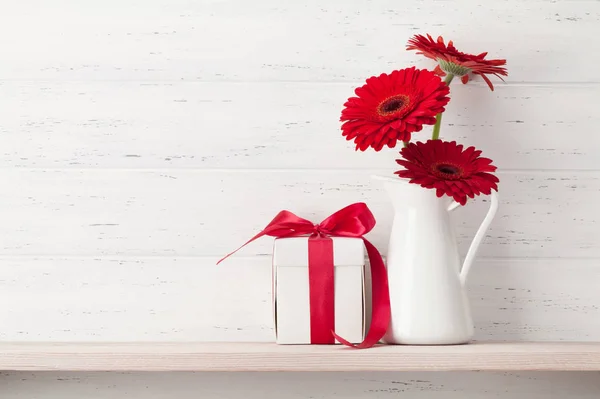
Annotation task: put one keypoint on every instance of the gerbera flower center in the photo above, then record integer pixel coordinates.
(393, 105)
(449, 171)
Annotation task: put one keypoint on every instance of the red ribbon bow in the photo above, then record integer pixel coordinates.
(352, 221)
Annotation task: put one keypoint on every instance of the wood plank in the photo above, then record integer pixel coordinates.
(271, 357)
(334, 385)
(209, 213)
(191, 299)
(267, 40)
(274, 125)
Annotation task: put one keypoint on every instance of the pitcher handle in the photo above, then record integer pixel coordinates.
(478, 236)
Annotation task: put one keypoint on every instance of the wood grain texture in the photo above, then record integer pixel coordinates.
(216, 85)
(331, 385)
(135, 299)
(199, 213)
(275, 125)
(267, 40)
(477, 356)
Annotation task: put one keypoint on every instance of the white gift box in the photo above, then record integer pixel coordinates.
(291, 302)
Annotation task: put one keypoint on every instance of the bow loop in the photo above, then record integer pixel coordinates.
(354, 220)
(287, 224)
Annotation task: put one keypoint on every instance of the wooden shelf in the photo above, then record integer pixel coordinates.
(271, 357)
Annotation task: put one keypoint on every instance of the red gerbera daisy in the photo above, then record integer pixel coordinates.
(391, 107)
(449, 169)
(456, 62)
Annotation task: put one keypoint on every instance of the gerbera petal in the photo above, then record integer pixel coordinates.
(390, 107)
(438, 71)
(487, 80)
(436, 50)
(448, 168)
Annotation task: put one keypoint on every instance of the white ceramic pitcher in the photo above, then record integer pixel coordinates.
(427, 283)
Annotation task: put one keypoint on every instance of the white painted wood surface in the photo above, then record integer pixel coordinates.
(264, 357)
(141, 139)
(128, 299)
(267, 40)
(200, 212)
(343, 385)
(115, 124)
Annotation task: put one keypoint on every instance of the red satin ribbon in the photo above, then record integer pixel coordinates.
(321, 286)
(355, 221)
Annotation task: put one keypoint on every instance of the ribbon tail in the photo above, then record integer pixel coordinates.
(380, 300)
(284, 224)
(262, 233)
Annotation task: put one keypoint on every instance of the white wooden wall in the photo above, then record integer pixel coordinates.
(142, 139)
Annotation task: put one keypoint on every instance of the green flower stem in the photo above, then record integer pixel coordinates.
(438, 117)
